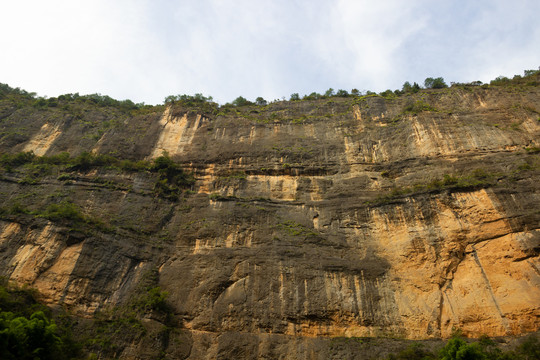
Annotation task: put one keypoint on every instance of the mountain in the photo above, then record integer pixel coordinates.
(296, 229)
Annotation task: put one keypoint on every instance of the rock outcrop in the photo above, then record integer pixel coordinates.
(308, 221)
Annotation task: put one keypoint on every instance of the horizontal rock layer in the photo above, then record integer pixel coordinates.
(308, 219)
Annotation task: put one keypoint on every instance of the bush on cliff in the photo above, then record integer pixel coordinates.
(172, 177)
(27, 331)
(435, 83)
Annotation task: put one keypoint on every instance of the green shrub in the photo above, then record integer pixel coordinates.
(500, 81)
(156, 300)
(529, 348)
(388, 94)
(171, 177)
(86, 161)
(435, 83)
(17, 159)
(527, 73)
(458, 349)
(312, 96)
(415, 351)
(34, 338)
(63, 211)
(418, 107)
(27, 330)
(329, 92)
(532, 149)
(408, 88)
(241, 101)
(260, 101)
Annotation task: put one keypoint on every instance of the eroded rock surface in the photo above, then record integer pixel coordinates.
(308, 220)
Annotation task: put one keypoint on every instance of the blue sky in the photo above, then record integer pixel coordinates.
(144, 50)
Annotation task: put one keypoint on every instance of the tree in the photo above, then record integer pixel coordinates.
(435, 83)
(387, 93)
(458, 349)
(260, 101)
(34, 338)
(408, 88)
(500, 80)
(312, 96)
(355, 92)
(342, 93)
(188, 99)
(329, 92)
(241, 101)
(295, 97)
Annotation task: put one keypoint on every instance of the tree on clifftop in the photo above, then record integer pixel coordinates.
(435, 83)
(241, 101)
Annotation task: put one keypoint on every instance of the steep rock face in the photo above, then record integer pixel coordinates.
(307, 220)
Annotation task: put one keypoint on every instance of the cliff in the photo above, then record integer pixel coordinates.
(301, 223)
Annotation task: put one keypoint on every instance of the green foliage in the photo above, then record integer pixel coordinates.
(34, 338)
(6, 90)
(458, 348)
(329, 92)
(407, 88)
(355, 92)
(86, 161)
(13, 160)
(388, 94)
(64, 211)
(477, 179)
(532, 149)
(342, 93)
(188, 100)
(527, 73)
(155, 300)
(27, 331)
(312, 96)
(295, 229)
(500, 81)
(418, 107)
(171, 177)
(435, 83)
(294, 97)
(415, 351)
(107, 101)
(529, 348)
(260, 101)
(241, 101)
(232, 176)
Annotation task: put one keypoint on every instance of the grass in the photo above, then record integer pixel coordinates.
(477, 179)
(417, 107)
(65, 213)
(295, 229)
(170, 183)
(532, 150)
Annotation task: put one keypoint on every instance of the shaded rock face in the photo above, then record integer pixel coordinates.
(307, 220)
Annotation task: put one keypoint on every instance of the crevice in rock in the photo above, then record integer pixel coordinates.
(490, 289)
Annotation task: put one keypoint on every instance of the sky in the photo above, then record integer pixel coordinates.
(145, 50)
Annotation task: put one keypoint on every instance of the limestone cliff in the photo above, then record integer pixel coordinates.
(308, 220)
